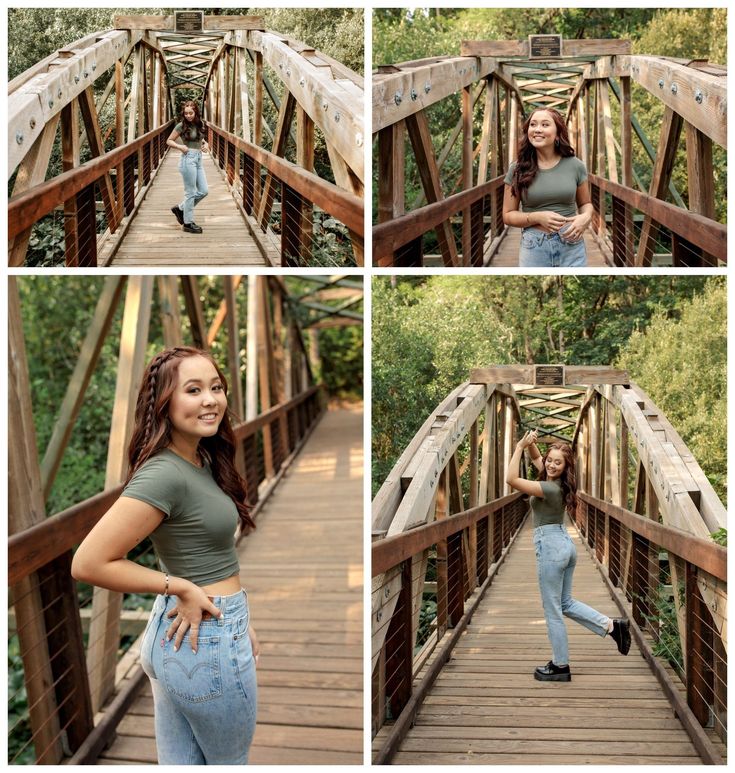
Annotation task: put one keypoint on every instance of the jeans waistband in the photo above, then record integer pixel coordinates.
(550, 528)
(232, 606)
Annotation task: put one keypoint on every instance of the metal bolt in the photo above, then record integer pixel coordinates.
(674, 88)
(398, 98)
(33, 123)
(325, 106)
(86, 74)
(427, 87)
(59, 93)
(387, 591)
(698, 97)
(51, 103)
(301, 81)
(358, 140)
(414, 95)
(288, 71)
(19, 137)
(94, 66)
(661, 83)
(337, 116)
(380, 615)
(76, 79)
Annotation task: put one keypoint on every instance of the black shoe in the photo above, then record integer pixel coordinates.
(192, 228)
(621, 634)
(552, 673)
(178, 214)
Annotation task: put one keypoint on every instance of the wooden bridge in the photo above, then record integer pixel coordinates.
(86, 695)
(457, 218)
(457, 623)
(274, 201)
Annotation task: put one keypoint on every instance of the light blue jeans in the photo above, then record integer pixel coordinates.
(542, 250)
(204, 704)
(556, 558)
(195, 183)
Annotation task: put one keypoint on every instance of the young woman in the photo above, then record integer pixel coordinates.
(552, 495)
(188, 137)
(184, 491)
(551, 183)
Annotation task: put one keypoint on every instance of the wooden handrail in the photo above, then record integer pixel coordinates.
(394, 234)
(708, 234)
(346, 207)
(36, 202)
(33, 548)
(390, 551)
(705, 555)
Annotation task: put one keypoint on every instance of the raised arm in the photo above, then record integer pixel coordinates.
(513, 476)
(100, 560)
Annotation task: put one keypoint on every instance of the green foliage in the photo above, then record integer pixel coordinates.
(19, 727)
(667, 642)
(682, 364)
(341, 360)
(429, 332)
(720, 536)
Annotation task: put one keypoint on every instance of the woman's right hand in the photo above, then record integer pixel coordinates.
(184, 149)
(192, 601)
(551, 221)
(528, 439)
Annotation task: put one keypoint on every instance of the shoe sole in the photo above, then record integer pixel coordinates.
(553, 677)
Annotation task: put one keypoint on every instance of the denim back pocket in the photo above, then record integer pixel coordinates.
(530, 240)
(194, 678)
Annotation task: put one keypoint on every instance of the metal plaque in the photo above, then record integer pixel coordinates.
(548, 375)
(189, 21)
(544, 46)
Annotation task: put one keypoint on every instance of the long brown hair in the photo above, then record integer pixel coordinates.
(568, 478)
(152, 430)
(197, 123)
(526, 166)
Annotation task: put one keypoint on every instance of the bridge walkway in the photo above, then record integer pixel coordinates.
(486, 708)
(302, 568)
(155, 238)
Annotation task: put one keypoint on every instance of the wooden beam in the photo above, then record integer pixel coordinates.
(168, 301)
(106, 605)
(570, 47)
(420, 136)
(190, 287)
(283, 127)
(467, 148)
(86, 363)
(524, 374)
(167, 23)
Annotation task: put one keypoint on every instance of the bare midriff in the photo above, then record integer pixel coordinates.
(224, 587)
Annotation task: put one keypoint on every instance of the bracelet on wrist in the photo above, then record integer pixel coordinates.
(165, 591)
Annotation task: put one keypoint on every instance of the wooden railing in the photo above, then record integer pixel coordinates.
(261, 179)
(76, 192)
(691, 239)
(468, 548)
(50, 631)
(638, 556)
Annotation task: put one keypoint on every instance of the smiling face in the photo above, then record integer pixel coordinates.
(555, 464)
(198, 402)
(542, 130)
(189, 113)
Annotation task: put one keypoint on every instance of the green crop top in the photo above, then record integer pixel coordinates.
(195, 143)
(555, 189)
(196, 538)
(550, 507)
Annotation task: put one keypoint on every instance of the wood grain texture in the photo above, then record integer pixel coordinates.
(156, 239)
(302, 569)
(486, 707)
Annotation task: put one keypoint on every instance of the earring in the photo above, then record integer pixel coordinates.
(556, 144)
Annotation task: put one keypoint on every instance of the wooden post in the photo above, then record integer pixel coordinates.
(399, 646)
(264, 371)
(668, 144)
(442, 574)
(258, 116)
(190, 286)
(513, 131)
(244, 99)
(305, 159)
(699, 650)
(25, 509)
(285, 117)
(119, 134)
(70, 160)
(251, 361)
(168, 298)
(233, 361)
(467, 148)
(104, 629)
(700, 179)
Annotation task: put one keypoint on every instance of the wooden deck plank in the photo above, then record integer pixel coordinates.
(486, 708)
(156, 239)
(308, 615)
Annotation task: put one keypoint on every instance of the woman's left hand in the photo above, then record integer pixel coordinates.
(255, 644)
(576, 226)
(528, 439)
(205, 146)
